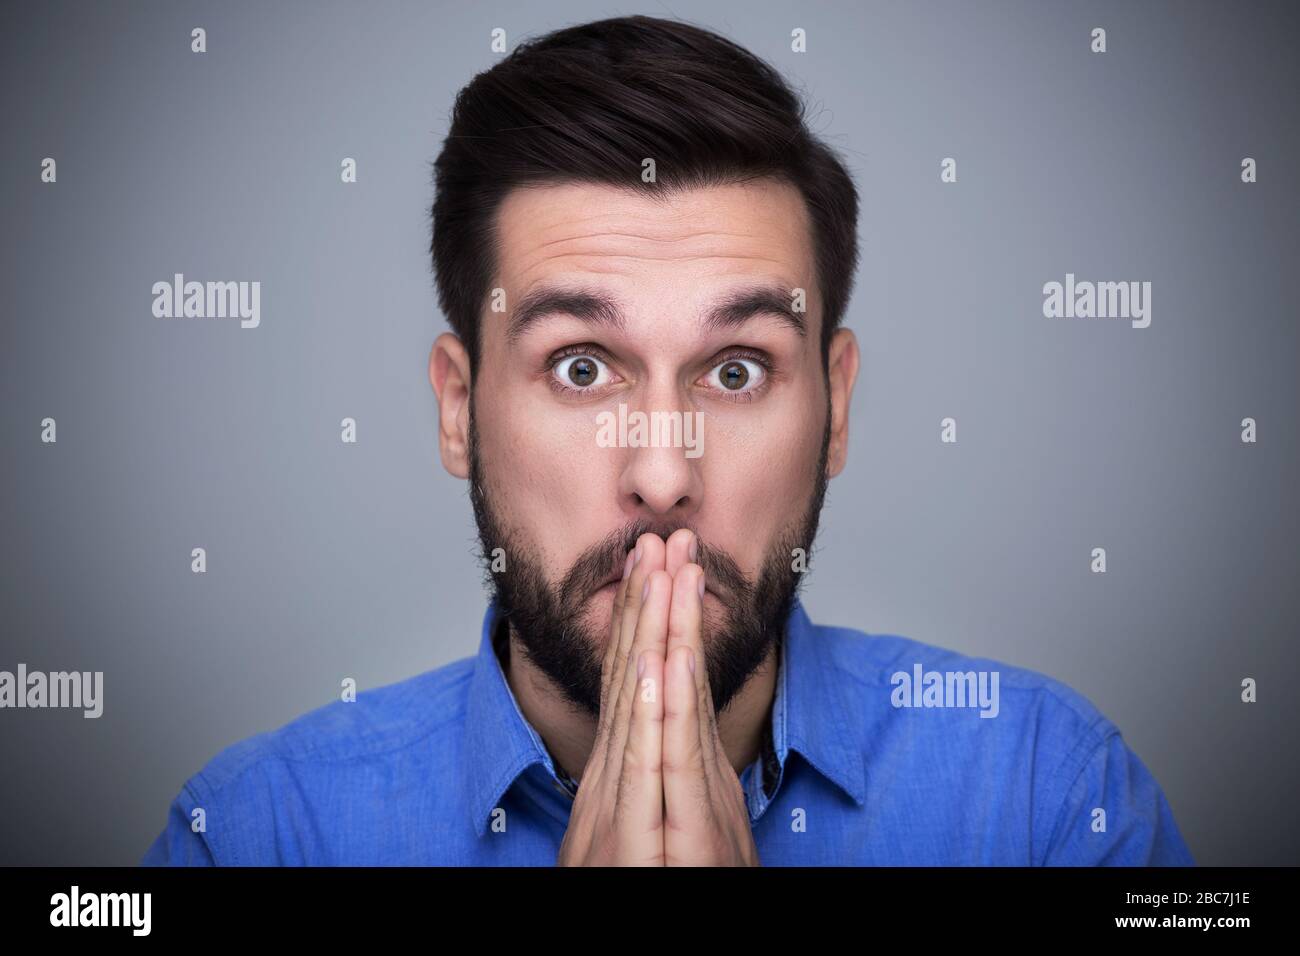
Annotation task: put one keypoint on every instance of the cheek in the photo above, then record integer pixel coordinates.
(552, 479)
(759, 475)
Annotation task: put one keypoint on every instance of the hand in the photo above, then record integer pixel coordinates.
(706, 819)
(617, 816)
(658, 788)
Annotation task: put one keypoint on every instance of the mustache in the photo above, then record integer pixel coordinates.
(606, 557)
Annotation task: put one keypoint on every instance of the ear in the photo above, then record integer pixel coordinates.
(843, 372)
(450, 377)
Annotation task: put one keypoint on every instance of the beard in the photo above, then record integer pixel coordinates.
(553, 623)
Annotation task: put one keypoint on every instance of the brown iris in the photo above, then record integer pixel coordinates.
(734, 375)
(582, 371)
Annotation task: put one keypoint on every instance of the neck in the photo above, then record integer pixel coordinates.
(570, 733)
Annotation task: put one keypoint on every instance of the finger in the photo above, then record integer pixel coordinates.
(686, 628)
(651, 632)
(685, 780)
(647, 557)
(615, 619)
(640, 799)
(686, 614)
(610, 665)
(680, 549)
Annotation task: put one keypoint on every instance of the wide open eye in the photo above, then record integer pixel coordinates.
(736, 375)
(580, 372)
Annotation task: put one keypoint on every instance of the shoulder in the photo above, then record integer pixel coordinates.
(907, 674)
(1047, 763)
(330, 760)
(380, 720)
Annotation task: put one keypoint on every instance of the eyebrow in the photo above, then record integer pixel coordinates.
(597, 308)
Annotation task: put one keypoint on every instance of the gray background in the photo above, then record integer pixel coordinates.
(328, 560)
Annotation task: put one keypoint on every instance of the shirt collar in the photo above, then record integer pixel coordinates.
(500, 744)
(812, 710)
(811, 714)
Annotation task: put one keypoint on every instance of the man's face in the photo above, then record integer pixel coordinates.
(564, 503)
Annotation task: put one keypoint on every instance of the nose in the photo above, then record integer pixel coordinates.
(661, 474)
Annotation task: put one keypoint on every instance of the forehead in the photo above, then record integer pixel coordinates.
(760, 228)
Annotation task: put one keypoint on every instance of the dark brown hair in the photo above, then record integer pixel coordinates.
(587, 104)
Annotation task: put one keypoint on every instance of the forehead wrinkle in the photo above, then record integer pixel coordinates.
(595, 307)
(591, 261)
(601, 234)
(659, 250)
(569, 240)
(579, 210)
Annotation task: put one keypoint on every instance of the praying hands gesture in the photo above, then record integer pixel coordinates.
(658, 789)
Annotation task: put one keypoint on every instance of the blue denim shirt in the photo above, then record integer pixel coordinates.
(443, 769)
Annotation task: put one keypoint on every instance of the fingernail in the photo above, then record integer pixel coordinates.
(701, 587)
(636, 555)
(695, 548)
(645, 591)
(627, 566)
(640, 665)
(690, 659)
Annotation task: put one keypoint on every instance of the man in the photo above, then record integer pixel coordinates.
(646, 257)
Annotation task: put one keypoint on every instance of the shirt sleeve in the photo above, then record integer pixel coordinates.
(178, 844)
(1115, 814)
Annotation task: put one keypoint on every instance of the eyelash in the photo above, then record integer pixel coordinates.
(595, 352)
